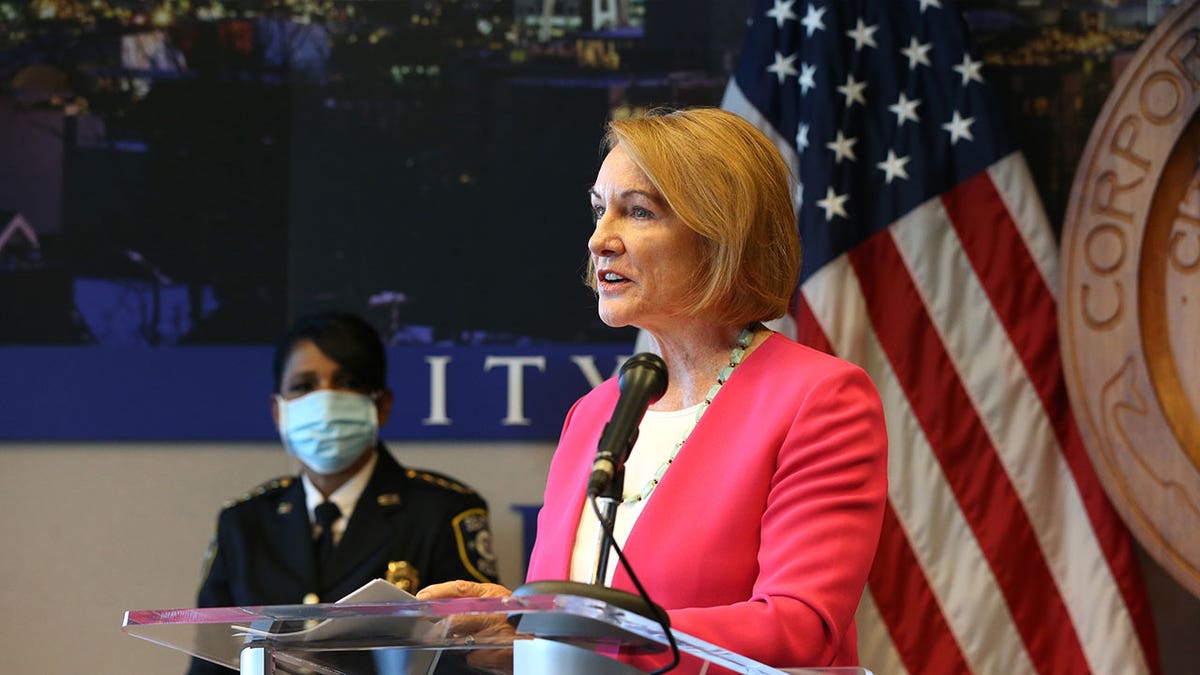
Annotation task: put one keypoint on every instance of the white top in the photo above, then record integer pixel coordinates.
(657, 436)
(345, 497)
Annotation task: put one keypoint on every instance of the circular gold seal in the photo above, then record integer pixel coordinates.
(1129, 314)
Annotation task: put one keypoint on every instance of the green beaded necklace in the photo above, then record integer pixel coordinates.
(735, 357)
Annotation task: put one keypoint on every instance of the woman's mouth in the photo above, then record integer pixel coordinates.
(609, 280)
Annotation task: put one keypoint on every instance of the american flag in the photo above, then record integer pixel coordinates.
(929, 261)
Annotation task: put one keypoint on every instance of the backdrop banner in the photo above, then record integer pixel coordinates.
(224, 393)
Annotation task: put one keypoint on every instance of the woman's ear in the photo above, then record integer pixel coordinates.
(275, 409)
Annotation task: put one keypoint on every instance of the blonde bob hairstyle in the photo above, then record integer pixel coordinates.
(728, 183)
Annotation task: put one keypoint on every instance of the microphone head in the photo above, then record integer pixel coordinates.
(644, 371)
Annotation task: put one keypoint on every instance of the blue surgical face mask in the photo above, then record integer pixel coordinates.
(327, 430)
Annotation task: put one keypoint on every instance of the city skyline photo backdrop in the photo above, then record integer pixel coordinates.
(178, 180)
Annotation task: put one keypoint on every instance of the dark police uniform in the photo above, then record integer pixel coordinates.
(411, 527)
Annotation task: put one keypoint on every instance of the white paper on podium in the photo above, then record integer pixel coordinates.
(403, 629)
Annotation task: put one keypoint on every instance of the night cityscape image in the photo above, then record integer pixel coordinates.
(199, 172)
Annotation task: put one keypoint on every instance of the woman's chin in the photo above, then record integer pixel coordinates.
(613, 319)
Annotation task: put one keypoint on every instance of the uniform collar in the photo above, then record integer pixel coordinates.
(345, 496)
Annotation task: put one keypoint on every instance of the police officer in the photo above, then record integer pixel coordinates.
(354, 513)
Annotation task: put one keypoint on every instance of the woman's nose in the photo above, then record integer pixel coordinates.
(604, 241)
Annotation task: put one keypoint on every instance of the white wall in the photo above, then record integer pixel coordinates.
(91, 530)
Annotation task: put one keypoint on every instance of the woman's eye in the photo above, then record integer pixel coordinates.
(597, 211)
(640, 212)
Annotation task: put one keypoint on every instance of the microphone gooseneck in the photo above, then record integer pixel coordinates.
(642, 381)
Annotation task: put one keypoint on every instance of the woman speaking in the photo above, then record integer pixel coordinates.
(754, 494)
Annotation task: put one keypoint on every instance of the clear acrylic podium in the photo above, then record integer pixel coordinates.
(559, 634)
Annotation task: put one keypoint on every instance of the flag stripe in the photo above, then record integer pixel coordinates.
(951, 555)
(966, 454)
(1011, 178)
(1011, 409)
(1011, 280)
(808, 329)
(925, 646)
(876, 644)
(944, 549)
(1026, 307)
(1122, 561)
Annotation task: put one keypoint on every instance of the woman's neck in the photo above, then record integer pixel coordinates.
(694, 358)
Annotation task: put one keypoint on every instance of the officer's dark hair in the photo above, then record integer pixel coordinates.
(348, 340)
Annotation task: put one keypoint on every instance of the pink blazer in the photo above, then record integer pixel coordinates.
(761, 534)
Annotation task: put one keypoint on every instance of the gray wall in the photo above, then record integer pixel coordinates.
(91, 530)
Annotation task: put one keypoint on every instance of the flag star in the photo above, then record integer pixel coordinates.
(905, 109)
(863, 35)
(799, 195)
(969, 70)
(893, 166)
(959, 127)
(927, 3)
(808, 78)
(783, 66)
(812, 19)
(917, 53)
(842, 147)
(802, 137)
(853, 90)
(782, 11)
(834, 204)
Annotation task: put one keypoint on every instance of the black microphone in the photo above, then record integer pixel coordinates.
(643, 380)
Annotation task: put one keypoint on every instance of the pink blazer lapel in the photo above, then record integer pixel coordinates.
(558, 520)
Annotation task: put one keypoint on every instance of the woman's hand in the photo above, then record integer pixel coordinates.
(480, 628)
(462, 589)
(477, 629)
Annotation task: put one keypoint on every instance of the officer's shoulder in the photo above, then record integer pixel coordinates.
(266, 490)
(438, 481)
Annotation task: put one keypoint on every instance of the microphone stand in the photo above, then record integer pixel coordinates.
(609, 501)
(556, 627)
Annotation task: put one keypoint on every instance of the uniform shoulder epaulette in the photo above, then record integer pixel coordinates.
(263, 488)
(440, 480)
